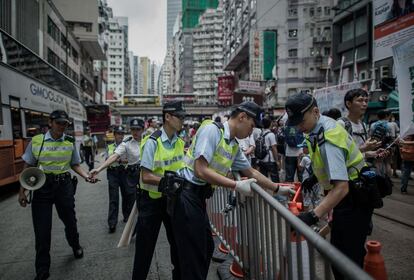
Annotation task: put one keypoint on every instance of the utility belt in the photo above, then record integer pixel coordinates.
(203, 192)
(119, 168)
(132, 172)
(58, 177)
(369, 188)
(132, 168)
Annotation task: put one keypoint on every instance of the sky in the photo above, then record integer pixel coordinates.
(147, 26)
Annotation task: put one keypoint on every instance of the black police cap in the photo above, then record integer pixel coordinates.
(253, 110)
(59, 115)
(174, 107)
(119, 129)
(136, 123)
(297, 105)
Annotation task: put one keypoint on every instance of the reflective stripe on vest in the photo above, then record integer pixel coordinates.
(223, 156)
(340, 138)
(55, 156)
(164, 160)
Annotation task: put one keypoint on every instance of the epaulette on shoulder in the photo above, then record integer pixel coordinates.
(156, 134)
(219, 125)
(321, 136)
(129, 138)
(69, 138)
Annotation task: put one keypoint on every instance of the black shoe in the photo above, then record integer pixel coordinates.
(78, 252)
(42, 276)
(112, 229)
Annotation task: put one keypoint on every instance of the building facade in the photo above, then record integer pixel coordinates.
(173, 9)
(208, 56)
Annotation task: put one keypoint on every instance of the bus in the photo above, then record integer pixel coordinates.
(30, 89)
(100, 120)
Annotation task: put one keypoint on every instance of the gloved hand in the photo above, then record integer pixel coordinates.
(244, 187)
(308, 183)
(308, 218)
(285, 191)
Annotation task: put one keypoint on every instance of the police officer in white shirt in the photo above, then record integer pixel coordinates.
(131, 148)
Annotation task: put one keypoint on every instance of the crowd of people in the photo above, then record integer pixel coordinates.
(169, 171)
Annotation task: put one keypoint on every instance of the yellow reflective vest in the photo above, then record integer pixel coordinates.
(164, 160)
(223, 156)
(55, 156)
(339, 137)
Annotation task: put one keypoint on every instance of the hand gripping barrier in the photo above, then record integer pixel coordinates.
(257, 233)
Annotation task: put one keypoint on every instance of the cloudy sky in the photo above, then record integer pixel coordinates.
(147, 26)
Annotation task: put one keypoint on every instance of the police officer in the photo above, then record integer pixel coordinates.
(336, 161)
(116, 181)
(130, 147)
(162, 151)
(213, 152)
(55, 153)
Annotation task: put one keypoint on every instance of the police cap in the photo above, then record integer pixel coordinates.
(252, 110)
(174, 108)
(60, 116)
(136, 123)
(297, 105)
(119, 129)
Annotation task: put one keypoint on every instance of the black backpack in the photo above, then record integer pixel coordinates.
(293, 136)
(261, 150)
(281, 142)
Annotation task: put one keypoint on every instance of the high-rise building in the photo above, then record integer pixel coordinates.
(285, 44)
(208, 55)
(84, 25)
(173, 9)
(154, 78)
(145, 75)
(193, 9)
(117, 60)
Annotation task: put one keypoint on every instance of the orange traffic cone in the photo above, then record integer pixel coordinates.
(374, 262)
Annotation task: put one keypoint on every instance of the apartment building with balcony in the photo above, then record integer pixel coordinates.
(302, 42)
(208, 55)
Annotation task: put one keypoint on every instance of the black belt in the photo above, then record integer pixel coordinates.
(116, 168)
(58, 177)
(203, 191)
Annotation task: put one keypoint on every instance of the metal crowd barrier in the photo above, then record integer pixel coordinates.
(257, 233)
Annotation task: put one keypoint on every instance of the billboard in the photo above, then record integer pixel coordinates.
(225, 90)
(393, 24)
(404, 64)
(262, 54)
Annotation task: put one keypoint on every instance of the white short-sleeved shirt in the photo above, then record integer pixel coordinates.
(270, 140)
(130, 148)
(359, 133)
(305, 163)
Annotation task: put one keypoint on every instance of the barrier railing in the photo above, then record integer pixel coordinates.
(258, 233)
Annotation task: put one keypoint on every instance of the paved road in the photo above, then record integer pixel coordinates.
(102, 259)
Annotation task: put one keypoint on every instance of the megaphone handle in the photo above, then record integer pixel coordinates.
(29, 197)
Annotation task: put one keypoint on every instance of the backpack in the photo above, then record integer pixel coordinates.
(261, 150)
(281, 142)
(293, 136)
(380, 131)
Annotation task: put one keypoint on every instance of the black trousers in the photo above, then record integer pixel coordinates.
(192, 234)
(270, 168)
(350, 227)
(151, 213)
(89, 157)
(117, 182)
(60, 193)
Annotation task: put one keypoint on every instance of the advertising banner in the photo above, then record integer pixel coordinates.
(393, 23)
(404, 65)
(333, 97)
(225, 90)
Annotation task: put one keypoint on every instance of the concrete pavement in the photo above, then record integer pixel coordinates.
(102, 259)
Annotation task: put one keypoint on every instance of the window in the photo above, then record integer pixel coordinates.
(361, 26)
(312, 31)
(293, 33)
(347, 31)
(327, 11)
(326, 51)
(292, 72)
(293, 52)
(292, 91)
(312, 12)
(319, 11)
(311, 51)
(53, 30)
(293, 12)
